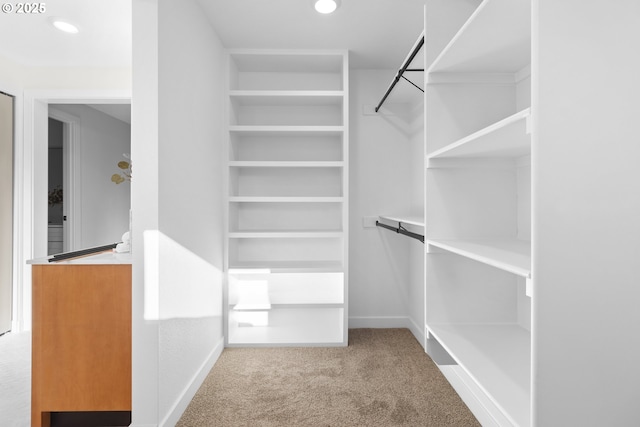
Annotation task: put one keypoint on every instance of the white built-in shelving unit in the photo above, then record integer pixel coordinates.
(478, 195)
(287, 201)
(532, 207)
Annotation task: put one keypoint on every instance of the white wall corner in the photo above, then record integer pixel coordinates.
(417, 331)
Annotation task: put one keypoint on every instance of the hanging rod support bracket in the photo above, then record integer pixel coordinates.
(401, 230)
(415, 85)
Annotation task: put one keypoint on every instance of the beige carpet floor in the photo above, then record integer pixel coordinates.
(15, 379)
(383, 378)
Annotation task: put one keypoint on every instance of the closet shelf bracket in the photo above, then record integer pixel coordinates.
(401, 230)
(415, 85)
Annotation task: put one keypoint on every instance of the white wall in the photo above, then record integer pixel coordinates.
(11, 75)
(177, 206)
(586, 206)
(102, 141)
(385, 280)
(6, 211)
(15, 75)
(144, 211)
(191, 139)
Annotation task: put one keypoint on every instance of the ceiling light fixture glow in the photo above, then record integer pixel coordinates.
(326, 6)
(65, 26)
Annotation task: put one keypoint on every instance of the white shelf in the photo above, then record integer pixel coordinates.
(409, 220)
(287, 266)
(306, 288)
(284, 234)
(509, 255)
(498, 358)
(287, 97)
(285, 199)
(280, 129)
(507, 138)
(286, 164)
(495, 39)
(316, 326)
(282, 61)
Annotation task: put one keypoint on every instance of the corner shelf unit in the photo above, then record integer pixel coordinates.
(287, 167)
(478, 196)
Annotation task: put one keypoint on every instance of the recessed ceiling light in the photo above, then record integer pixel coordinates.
(64, 26)
(326, 6)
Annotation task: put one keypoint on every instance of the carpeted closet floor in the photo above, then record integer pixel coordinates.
(383, 378)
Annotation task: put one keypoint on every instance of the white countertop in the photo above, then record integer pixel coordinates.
(108, 257)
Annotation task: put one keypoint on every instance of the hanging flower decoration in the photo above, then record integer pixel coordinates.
(125, 174)
(55, 196)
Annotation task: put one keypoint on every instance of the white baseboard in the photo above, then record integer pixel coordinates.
(172, 418)
(417, 331)
(379, 322)
(487, 413)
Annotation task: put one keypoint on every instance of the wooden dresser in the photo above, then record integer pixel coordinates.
(81, 348)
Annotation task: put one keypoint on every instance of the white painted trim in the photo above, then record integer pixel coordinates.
(476, 400)
(288, 52)
(72, 183)
(379, 322)
(17, 325)
(178, 408)
(417, 332)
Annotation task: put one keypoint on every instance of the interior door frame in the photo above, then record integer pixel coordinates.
(18, 122)
(8, 289)
(71, 172)
(32, 174)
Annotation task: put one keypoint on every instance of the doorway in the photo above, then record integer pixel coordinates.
(56, 190)
(6, 211)
(85, 143)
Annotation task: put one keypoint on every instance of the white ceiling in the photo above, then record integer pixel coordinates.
(104, 39)
(379, 33)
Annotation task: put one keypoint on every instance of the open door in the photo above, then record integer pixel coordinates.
(6, 210)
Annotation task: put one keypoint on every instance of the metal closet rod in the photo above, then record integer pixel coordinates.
(401, 230)
(416, 47)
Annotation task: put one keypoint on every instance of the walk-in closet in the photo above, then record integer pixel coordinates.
(460, 173)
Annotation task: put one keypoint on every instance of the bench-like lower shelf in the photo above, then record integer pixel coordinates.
(287, 326)
(498, 358)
